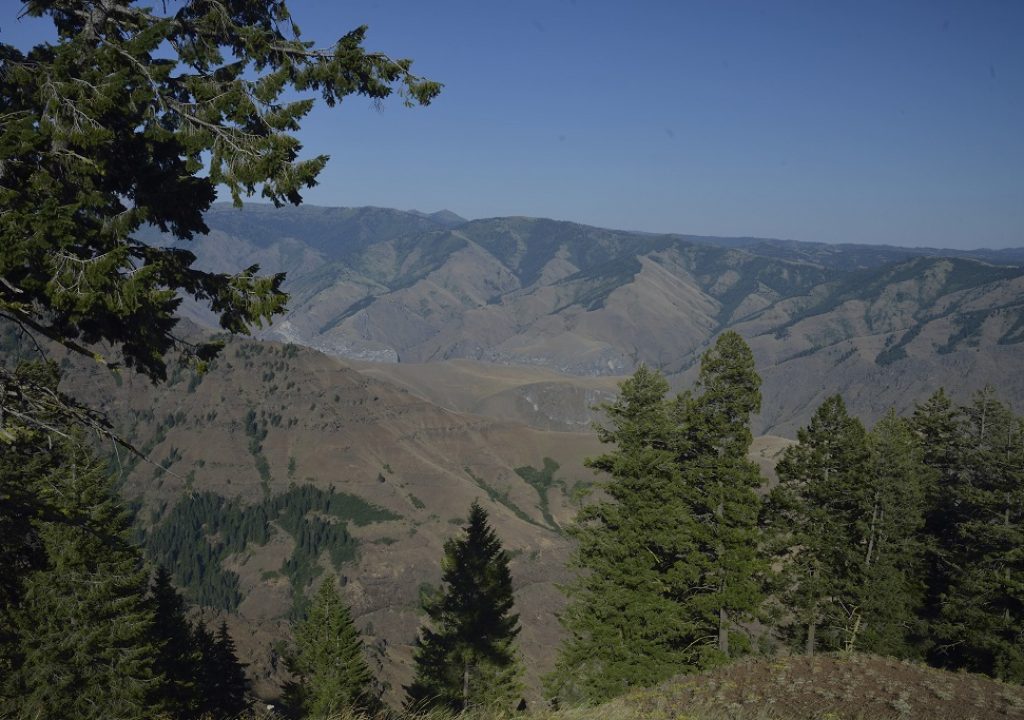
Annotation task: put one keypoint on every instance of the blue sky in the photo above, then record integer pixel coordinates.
(881, 122)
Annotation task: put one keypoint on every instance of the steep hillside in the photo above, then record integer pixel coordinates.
(890, 337)
(353, 474)
(534, 396)
(883, 325)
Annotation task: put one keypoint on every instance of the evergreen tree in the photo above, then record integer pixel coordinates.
(892, 589)
(626, 626)
(981, 611)
(466, 657)
(846, 516)
(133, 116)
(713, 440)
(327, 660)
(222, 685)
(83, 624)
(177, 657)
(812, 515)
(672, 556)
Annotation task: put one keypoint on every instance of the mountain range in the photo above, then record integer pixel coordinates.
(883, 325)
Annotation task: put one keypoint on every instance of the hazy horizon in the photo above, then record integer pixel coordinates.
(867, 122)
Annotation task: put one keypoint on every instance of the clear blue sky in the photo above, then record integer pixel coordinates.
(881, 122)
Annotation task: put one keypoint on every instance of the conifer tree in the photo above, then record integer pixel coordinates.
(847, 516)
(466, 656)
(672, 557)
(222, 685)
(135, 114)
(981, 608)
(83, 626)
(892, 589)
(713, 440)
(811, 514)
(177, 657)
(626, 626)
(327, 660)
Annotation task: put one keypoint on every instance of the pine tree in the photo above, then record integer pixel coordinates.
(178, 656)
(812, 514)
(466, 657)
(713, 440)
(222, 685)
(84, 623)
(626, 626)
(981, 607)
(136, 113)
(672, 558)
(327, 660)
(847, 516)
(891, 594)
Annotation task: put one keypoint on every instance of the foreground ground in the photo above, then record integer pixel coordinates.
(825, 687)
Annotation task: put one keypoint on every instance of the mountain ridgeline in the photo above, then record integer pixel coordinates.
(390, 286)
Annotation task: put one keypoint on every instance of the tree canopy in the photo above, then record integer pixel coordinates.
(134, 116)
(670, 554)
(328, 661)
(466, 657)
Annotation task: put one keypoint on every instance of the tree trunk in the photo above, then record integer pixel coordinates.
(871, 536)
(812, 628)
(723, 631)
(465, 686)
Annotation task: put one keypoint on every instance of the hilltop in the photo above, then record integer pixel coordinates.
(823, 687)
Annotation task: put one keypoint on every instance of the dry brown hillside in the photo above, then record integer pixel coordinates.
(323, 423)
(825, 687)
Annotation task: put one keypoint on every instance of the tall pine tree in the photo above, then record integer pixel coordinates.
(466, 656)
(626, 626)
(672, 555)
(981, 606)
(222, 685)
(713, 440)
(327, 660)
(83, 626)
(846, 516)
(892, 589)
(177, 657)
(811, 515)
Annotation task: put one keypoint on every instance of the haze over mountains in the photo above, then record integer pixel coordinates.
(883, 325)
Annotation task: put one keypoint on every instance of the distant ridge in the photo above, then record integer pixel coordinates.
(881, 324)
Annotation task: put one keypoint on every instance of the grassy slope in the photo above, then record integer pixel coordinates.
(825, 687)
(833, 687)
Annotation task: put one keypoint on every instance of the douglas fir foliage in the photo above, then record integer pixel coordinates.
(466, 656)
(333, 676)
(671, 556)
(135, 116)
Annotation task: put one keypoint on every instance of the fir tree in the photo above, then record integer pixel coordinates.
(892, 590)
(84, 624)
(713, 440)
(847, 515)
(982, 605)
(626, 627)
(672, 556)
(177, 657)
(466, 657)
(812, 515)
(222, 685)
(135, 116)
(327, 660)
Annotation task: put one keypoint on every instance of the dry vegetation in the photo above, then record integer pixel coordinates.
(825, 687)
